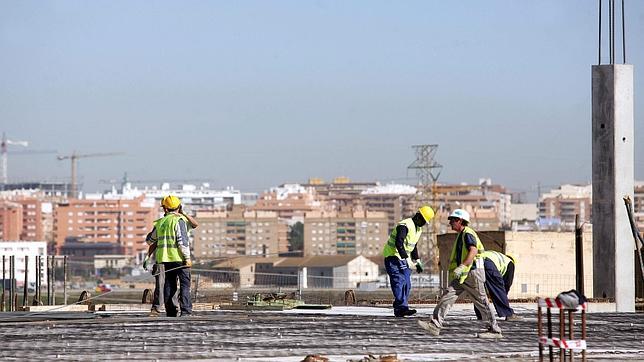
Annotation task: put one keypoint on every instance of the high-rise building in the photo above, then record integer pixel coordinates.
(10, 220)
(345, 233)
(32, 219)
(289, 201)
(125, 222)
(239, 232)
(395, 201)
(557, 208)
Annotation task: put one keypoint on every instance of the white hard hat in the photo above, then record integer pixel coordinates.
(461, 214)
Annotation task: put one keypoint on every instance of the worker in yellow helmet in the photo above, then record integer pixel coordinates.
(170, 246)
(401, 254)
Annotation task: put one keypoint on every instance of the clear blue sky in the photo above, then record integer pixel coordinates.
(257, 93)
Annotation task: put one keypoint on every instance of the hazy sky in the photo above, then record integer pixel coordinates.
(257, 93)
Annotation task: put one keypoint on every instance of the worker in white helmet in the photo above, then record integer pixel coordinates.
(467, 275)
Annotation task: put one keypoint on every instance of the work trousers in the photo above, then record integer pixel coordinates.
(174, 271)
(158, 270)
(400, 280)
(474, 288)
(497, 288)
(158, 304)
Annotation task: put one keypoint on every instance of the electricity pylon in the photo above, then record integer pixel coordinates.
(428, 170)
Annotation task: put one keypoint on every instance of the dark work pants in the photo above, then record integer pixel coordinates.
(497, 288)
(170, 288)
(400, 279)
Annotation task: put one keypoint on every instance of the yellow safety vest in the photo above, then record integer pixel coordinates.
(499, 259)
(413, 235)
(453, 263)
(167, 249)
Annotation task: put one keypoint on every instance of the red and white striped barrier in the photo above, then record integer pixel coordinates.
(575, 344)
(554, 303)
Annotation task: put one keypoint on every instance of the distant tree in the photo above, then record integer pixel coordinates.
(296, 237)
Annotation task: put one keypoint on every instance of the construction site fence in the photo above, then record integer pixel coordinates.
(538, 285)
(64, 271)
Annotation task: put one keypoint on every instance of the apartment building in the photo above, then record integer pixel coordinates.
(395, 201)
(24, 252)
(193, 197)
(239, 232)
(289, 201)
(638, 205)
(124, 222)
(524, 217)
(345, 233)
(49, 190)
(489, 205)
(32, 219)
(21, 217)
(10, 220)
(557, 208)
(340, 193)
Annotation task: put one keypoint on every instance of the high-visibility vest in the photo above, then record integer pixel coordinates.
(453, 263)
(500, 260)
(413, 235)
(167, 249)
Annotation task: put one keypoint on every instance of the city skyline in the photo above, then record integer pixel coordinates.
(255, 94)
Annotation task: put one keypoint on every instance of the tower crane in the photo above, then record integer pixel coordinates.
(74, 159)
(6, 142)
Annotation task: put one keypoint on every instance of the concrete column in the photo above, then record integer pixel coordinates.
(613, 156)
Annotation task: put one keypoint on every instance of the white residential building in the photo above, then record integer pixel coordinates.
(23, 251)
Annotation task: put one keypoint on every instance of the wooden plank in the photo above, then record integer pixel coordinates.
(146, 307)
(124, 307)
(253, 307)
(57, 308)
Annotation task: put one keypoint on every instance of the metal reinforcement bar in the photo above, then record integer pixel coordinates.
(639, 243)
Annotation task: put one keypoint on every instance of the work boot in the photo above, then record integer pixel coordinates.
(409, 312)
(490, 334)
(514, 317)
(430, 327)
(154, 313)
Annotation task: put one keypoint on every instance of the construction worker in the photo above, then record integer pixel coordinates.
(170, 246)
(467, 276)
(499, 274)
(397, 251)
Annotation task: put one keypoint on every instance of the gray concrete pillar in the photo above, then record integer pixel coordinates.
(613, 155)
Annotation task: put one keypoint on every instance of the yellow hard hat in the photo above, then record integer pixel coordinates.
(171, 202)
(427, 212)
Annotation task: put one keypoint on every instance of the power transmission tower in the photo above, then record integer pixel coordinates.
(428, 170)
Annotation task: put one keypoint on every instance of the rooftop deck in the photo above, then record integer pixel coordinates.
(340, 334)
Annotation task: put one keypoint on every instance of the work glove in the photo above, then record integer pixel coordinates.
(419, 266)
(146, 263)
(410, 264)
(459, 271)
(188, 263)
